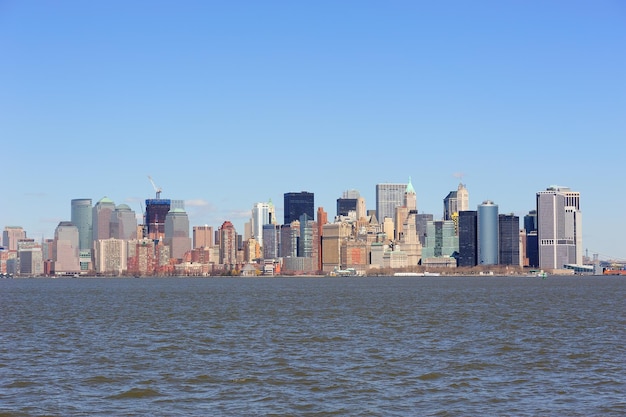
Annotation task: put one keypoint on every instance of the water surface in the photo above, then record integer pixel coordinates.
(437, 346)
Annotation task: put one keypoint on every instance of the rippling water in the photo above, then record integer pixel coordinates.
(313, 346)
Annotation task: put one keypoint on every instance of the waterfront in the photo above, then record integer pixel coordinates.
(447, 346)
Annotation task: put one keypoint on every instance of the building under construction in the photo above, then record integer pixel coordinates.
(154, 224)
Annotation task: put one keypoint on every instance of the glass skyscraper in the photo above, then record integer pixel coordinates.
(488, 236)
(81, 217)
(508, 225)
(297, 204)
(468, 242)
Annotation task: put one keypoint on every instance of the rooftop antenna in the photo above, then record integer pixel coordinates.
(459, 175)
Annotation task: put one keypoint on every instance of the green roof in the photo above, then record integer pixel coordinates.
(409, 188)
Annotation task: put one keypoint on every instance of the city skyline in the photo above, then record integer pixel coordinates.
(247, 220)
(227, 105)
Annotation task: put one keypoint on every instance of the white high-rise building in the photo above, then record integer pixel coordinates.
(559, 228)
(111, 256)
(260, 217)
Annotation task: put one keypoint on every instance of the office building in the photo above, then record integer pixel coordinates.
(123, 223)
(410, 197)
(441, 239)
(177, 233)
(154, 223)
(297, 204)
(388, 197)
(271, 236)
(202, 237)
(308, 243)
(421, 222)
(260, 217)
(66, 249)
(348, 202)
(455, 202)
(81, 217)
(468, 238)
(30, 258)
(102, 214)
(488, 235)
(11, 235)
(509, 239)
(559, 228)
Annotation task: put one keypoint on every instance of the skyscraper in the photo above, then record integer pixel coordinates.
(297, 204)
(441, 239)
(66, 251)
(559, 227)
(177, 233)
(260, 217)
(532, 242)
(388, 197)
(468, 238)
(123, 223)
(156, 210)
(271, 237)
(11, 235)
(228, 245)
(455, 202)
(82, 216)
(488, 235)
(202, 237)
(347, 202)
(508, 229)
(410, 197)
(101, 217)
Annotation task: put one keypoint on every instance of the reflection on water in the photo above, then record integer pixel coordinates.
(313, 346)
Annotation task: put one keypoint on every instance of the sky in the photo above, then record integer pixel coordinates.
(226, 104)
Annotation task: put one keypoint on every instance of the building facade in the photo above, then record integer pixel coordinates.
(81, 217)
(123, 223)
(297, 204)
(66, 249)
(177, 233)
(488, 235)
(509, 239)
(468, 238)
(228, 245)
(154, 222)
(559, 228)
(388, 197)
(202, 237)
(101, 217)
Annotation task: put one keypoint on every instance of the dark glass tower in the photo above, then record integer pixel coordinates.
(509, 239)
(344, 205)
(297, 204)
(468, 238)
(156, 210)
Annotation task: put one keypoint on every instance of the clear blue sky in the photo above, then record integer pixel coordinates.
(226, 104)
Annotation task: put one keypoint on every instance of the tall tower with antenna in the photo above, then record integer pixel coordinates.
(156, 210)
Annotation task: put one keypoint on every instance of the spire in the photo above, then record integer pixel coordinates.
(409, 188)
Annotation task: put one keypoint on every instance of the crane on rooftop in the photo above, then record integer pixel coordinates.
(156, 189)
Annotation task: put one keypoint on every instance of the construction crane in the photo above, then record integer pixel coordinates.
(156, 189)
